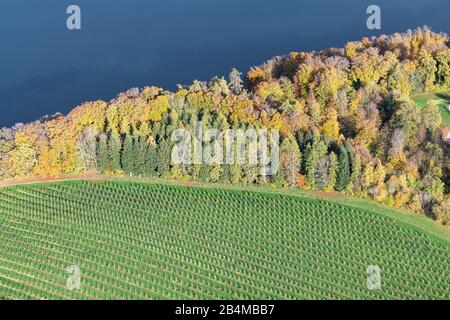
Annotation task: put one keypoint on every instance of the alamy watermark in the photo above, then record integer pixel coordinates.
(374, 20)
(73, 22)
(374, 277)
(232, 146)
(73, 281)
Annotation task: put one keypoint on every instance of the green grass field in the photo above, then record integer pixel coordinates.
(443, 99)
(159, 241)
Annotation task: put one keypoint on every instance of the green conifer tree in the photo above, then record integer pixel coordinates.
(343, 172)
(128, 155)
(164, 158)
(102, 154)
(332, 171)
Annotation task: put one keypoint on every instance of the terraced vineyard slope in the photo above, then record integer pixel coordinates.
(152, 241)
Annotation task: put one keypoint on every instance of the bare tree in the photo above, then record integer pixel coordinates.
(235, 84)
(87, 148)
(397, 142)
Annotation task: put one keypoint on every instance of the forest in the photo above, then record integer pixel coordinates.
(346, 119)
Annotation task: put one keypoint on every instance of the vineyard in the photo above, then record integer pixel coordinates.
(154, 241)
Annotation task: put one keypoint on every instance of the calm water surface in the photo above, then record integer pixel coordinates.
(44, 68)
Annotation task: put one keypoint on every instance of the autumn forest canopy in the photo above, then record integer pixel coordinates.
(346, 119)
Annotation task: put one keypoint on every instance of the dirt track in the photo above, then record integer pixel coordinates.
(11, 182)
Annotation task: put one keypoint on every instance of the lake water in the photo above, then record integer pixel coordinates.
(45, 68)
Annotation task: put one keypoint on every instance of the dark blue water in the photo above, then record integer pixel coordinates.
(45, 68)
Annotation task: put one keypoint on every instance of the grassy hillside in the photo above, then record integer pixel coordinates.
(135, 240)
(443, 99)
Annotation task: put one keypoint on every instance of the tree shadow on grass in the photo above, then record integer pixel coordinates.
(444, 96)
